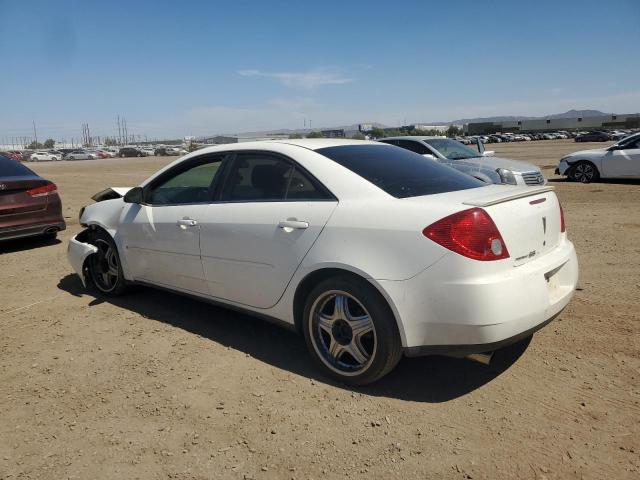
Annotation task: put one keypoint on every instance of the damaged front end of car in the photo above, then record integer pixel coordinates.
(104, 216)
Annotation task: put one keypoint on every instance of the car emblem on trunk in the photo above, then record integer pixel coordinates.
(3, 186)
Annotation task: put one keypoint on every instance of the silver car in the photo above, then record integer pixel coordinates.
(479, 163)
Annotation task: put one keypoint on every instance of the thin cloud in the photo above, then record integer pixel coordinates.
(305, 80)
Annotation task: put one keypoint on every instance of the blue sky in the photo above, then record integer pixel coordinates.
(175, 68)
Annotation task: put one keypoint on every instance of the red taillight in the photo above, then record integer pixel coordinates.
(48, 189)
(471, 233)
(563, 228)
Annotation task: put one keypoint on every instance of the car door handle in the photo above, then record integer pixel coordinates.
(293, 224)
(187, 222)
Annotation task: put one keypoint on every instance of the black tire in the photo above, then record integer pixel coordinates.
(50, 236)
(104, 267)
(378, 344)
(139, 155)
(122, 155)
(584, 172)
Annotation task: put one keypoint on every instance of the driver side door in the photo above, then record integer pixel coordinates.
(161, 235)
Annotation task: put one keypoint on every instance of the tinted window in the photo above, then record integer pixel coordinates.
(257, 176)
(414, 146)
(194, 185)
(13, 168)
(399, 172)
(301, 187)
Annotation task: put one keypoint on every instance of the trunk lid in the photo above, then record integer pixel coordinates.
(528, 219)
(14, 199)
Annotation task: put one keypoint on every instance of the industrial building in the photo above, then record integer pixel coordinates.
(601, 122)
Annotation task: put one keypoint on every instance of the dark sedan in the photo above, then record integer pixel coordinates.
(593, 137)
(131, 152)
(29, 204)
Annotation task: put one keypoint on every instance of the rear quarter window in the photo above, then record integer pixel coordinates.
(399, 172)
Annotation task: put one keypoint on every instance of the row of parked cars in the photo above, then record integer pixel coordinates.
(434, 273)
(591, 136)
(91, 154)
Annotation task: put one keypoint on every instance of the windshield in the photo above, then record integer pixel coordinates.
(451, 149)
(399, 172)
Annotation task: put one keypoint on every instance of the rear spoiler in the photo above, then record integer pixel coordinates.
(512, 194)
(111, 193)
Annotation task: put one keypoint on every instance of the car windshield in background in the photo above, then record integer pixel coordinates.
(399, 172)
(13, 168)
(451, 149)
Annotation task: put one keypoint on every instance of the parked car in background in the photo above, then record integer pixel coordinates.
(148, 152)
(130, 152)
(161, 151)
(616, 135)
(593, 137)
(372, 251)
(80, 155)
(44, 157)
(11, 155)
(29, 204)
(620, 160)
(477, 163)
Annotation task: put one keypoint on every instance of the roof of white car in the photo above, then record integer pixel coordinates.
(414, 137)
(308, 143)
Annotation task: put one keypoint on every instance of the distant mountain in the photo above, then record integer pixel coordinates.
(507, 118)
(460, 121)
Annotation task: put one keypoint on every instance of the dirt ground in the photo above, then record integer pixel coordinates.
(154, 385)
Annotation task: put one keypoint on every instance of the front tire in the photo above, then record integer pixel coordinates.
(105, 269)
(584, 172)
(350, 331)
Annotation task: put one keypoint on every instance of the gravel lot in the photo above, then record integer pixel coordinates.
(154, 385)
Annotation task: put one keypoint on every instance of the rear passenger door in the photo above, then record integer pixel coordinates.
(268, 215)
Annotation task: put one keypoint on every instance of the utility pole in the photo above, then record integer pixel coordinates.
(35, 134)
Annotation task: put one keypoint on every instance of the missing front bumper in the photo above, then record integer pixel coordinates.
(77, 253)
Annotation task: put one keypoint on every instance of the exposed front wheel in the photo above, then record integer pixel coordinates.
(350, 331)
(104, 266)
(584, 172)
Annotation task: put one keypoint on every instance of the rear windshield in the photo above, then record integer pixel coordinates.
(400, 172)
(13, 168)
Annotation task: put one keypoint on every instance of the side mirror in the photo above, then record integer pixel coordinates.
(480, 146)
(429, 156)
(134, 195)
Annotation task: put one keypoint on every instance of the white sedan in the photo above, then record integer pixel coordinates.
(620, 160)
(44, 157)
(369, 250)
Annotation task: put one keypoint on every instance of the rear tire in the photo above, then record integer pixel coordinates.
(105, 269)
(350, 331)
(584, 172)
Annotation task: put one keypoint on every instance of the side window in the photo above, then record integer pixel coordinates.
(193, 185)
(416, 147)
(257, 177)
(302, 187)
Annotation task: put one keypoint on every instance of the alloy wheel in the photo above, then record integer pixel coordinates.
(584, 172)
(342, 333)
(104, 268)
